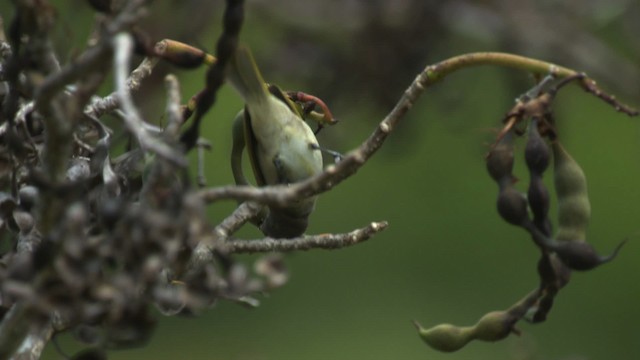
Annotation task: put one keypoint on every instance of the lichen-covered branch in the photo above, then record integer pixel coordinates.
(303, 243)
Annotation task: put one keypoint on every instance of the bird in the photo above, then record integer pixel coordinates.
(282, 148)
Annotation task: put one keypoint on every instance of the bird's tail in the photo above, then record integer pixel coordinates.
(245, 77)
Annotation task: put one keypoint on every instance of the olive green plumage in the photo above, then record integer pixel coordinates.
(281, 146)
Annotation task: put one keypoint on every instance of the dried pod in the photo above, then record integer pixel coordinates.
(7, 204)
(512, 206)
(576, 254)
(579, 255)
(445, 337)
(500, 160)
(538, 198)
(544, 306)
(553, 276)
(536, 152)
(27, 196)
(546, 272)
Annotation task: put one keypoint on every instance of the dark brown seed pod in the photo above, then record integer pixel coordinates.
(575, 253)
(544, 307)
(536, 153)
(581, 256)
(545, 270)
(512, 206)
(538, 198)
(500, 160)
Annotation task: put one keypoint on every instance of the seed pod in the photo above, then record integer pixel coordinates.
(574, 253)
(536, 153)
(569, 178)
(544, 306)
(500, 160)
(574, 213)
(538, 198)
(512, 206)
(493, 326)
(574, 209)
(445, 337)
(581, 255)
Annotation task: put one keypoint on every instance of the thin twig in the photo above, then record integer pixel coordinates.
(203, 252)
(323, 241)
(111, 102)
(202, 145)
(240, 216)
(174, 115)
(123, 46)
(226, 46)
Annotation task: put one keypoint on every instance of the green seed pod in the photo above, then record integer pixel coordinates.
(574, 213)
(574, 209)
(512, 206)
(445, 337)
(569, 179)
(493, 326)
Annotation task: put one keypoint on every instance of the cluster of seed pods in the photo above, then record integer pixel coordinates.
(560, 254)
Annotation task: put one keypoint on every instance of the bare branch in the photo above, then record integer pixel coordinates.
(111, 102)
(241, 215)
(123, 46)
(281, 195)
(174, 115)
(322, 241)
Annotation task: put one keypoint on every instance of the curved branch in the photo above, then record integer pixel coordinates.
(281, 195)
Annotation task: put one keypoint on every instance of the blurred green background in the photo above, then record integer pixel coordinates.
(446, 256)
